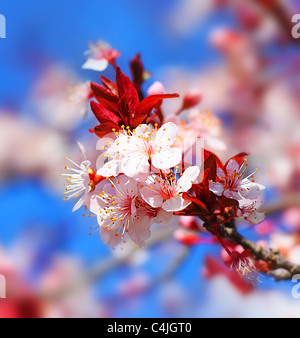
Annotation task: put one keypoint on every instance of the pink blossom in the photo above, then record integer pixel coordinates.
(249, 211)
(232, 183)
(166, 191)
(135, 152)
(81, 180)
(100, 55)
(124, 211)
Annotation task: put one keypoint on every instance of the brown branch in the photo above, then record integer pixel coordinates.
(281, 267)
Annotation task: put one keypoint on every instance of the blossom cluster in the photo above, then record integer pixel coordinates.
(143, 175)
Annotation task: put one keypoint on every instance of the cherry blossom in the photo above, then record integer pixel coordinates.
(166, 192)
(232, 183)
(100, 55)
(136, 152)
(81, 179)
(124, 211)
(206, 125)
(249, 211)
(243, 264)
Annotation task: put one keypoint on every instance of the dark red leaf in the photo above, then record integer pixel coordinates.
(105, 128)
(193, 199)
(127, 91)
(211, 164)
(102, 114)
(110, 85)
(105, 97)
(145, 106)
(137, 70)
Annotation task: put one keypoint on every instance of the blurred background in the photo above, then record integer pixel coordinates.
(243, 59)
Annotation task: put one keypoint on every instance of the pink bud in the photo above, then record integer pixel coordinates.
(188, 222)
(156, 89)
(186, 237)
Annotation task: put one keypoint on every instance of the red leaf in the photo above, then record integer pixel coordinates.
(137, 70)
(105, 97)
(211, 164)
(102, 114)
(136, 121)
(190, 198)
(110, 85)
(145, 106)
(105, 128)
(127, 91)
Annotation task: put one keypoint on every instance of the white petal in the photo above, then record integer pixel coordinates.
(216, 187)
(152, 197)
(95, 204)
(109, 238)
(163, 217)
(221, 174)
(166, 158)
(104, 142)
(250, 190)
(82, 150)
(232, 167)
(135, 165)
(97, 65)
(78, 204)
(142, 130)
(110, 168)
(139, 231)
(190, 175)
(232, 194)
(256, 217)
(166, 135)
(176, 203)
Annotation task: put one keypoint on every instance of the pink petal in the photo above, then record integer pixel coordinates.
(152, 197)
(97, 65)
(166, 135)
(190, 175)
(232, 194)
(216, 187)
(176, 203)
(167, 158)
(232, 167)
(139, 231)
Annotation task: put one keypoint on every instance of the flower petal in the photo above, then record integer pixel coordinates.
(232, 167)
(232, 194)
(97, 65)
(250, 190)
(216, 187)
(190, 175)
(176, 203)
(110, 168)
(135, 165)
(166, 135)
(109, 238)
(166, 158)
(139, 231)
(162, 216)
(152, 197)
